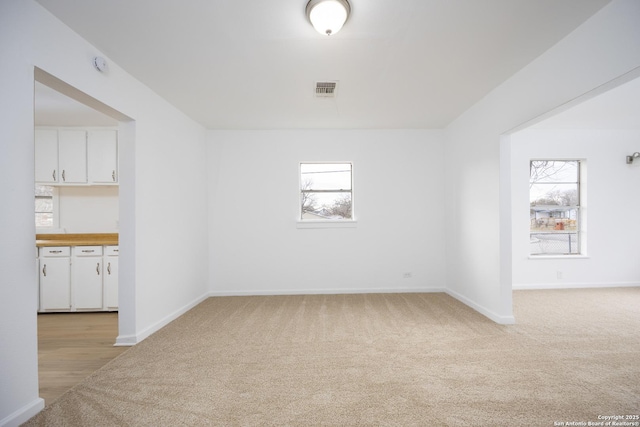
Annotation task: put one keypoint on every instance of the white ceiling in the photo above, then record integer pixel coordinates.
(55, 109)
(230, 64)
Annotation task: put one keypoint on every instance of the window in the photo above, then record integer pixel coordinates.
(46, 199)
(555, 215)
(326, 191)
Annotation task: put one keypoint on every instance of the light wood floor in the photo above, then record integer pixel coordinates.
(71, 346)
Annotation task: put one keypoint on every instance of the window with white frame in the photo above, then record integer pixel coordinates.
(45, 206)
(326, 191)
(555, 207)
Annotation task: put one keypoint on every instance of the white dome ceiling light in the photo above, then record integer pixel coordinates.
(328, 16)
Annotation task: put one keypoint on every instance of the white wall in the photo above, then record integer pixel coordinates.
(256, 247)
(92, 209)
(163, 213)
(612, 232)
(18, 281)
(479, 270)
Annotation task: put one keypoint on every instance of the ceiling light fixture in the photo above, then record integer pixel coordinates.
(328, 16)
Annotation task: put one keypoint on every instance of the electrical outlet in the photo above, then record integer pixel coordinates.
(407, 275)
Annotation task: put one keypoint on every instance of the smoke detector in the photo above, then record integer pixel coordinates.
(327, 89)
(100, 64)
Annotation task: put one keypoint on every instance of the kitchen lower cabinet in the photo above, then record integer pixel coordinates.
(110, 278)
(55, 278)
(86, 277)
(78, 278)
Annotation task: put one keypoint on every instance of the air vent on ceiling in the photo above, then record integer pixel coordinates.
(326, 89)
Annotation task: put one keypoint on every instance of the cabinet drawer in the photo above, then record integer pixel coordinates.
(87, 251)
(54, 251)
(111, 250)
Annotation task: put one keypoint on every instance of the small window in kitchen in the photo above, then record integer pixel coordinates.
(46, 201)
(326, 191)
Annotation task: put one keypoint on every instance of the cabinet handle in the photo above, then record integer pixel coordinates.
(109, 269)
(63, 178)
(54, 174)
(113, 175)
(44, 270)
(98, 268)
(88, 250)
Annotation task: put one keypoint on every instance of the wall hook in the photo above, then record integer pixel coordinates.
(632, 157)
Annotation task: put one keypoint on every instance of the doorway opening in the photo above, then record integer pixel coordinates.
(78, 145)
(576, 234)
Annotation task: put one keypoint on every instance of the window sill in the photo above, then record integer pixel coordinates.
(330, 223)
(581, 256)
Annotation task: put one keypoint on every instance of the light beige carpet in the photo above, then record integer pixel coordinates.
(374, 360)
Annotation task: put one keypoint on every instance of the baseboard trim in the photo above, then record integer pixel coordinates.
(130, 340)
(236, 293)
(23, 414)
(577, 285)
(125, 341)
(498, 318)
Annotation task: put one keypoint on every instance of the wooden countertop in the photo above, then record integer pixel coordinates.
(91, 239)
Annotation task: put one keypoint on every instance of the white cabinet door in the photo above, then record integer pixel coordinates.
(102, 146)
(46, 157)
(111, 282)
(55, 282)
(72, 151)
(87, 278)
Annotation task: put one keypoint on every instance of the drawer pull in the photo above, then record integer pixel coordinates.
(88, 250)
(113, 176)
(109, 269)
(54, 175)
(63, 177)
(98, 268)
(44, 270)
(55, 252)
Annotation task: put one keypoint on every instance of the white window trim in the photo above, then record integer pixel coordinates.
(327, 223)
(582, 210)
(560, 256)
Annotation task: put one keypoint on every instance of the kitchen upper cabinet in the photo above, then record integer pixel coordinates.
(72, 156)
(103, 156)
(76, 156)
(46, 159)
(55, 278)
(87, 277)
